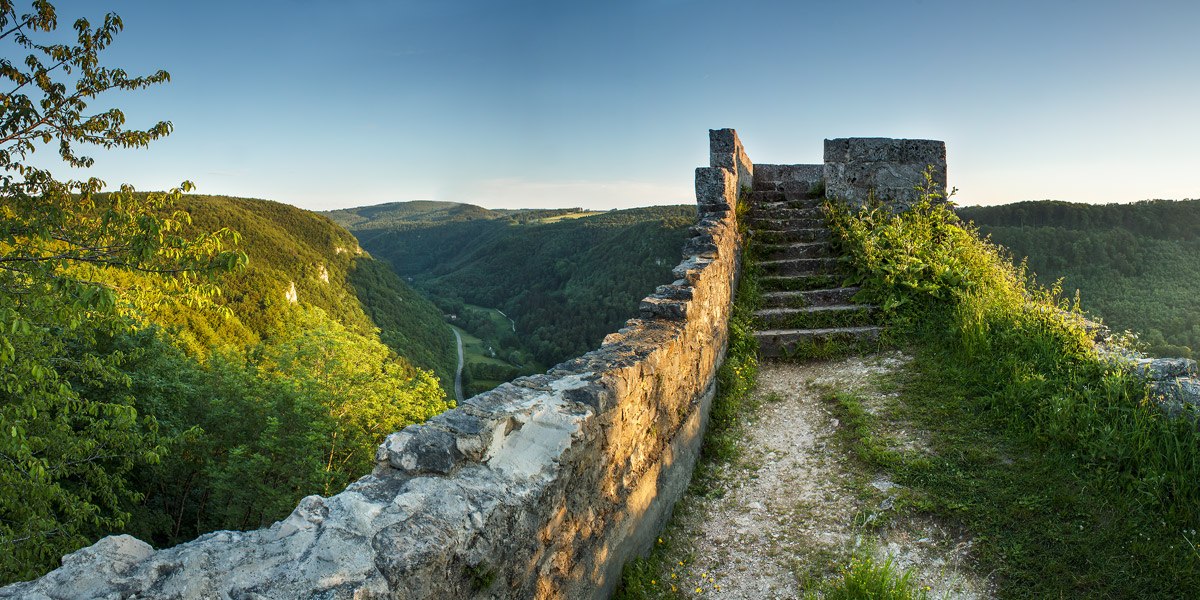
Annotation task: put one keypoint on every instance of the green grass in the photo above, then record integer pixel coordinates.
(1070, 481)
(801, 283)
(492, 330)
(494, 315)
(865, 578)
(475, 350)
(1045, 522)
(574, 215)
(831, 346)
(820, 319)
(793, 236)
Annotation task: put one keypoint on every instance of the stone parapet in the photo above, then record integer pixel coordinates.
(725, 151)
(541, 488)
(890, 170)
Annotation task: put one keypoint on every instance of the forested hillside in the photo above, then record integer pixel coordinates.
(566, 277)
(287, 247)
(1137, 265)
(209, 411)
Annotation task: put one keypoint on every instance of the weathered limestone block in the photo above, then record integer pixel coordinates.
(1178, 396)
(890, 169)
(1165, 368)
(420, 449)
(1173, 383)
(663, 308)
(726, 151)
(716, 190)
(785, 178)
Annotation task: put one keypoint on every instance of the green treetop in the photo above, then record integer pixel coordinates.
(63, 456)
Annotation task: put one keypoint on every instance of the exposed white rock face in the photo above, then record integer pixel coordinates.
(323, 273)
(291, 294)
(1173, 383)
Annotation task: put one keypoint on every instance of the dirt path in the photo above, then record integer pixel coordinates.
(458, 387)
(799, 504)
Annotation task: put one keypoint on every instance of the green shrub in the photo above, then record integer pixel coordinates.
(865, 578)
(1020, 347)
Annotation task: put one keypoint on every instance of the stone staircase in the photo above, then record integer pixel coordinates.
(805, 312)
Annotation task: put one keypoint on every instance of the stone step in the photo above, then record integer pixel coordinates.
(772, 196)
(782, 210)
(782, 204)
(801, 250)
(792, 190)
(799, 266)
(816, 343)
(772, 223)
(798, 283)
(789, 236)
(823, 297)
(815, 317)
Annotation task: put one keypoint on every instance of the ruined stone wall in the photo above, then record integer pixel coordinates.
(541, 488)
(795, 181)
(856, 168)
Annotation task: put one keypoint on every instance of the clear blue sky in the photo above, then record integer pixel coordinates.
(607, 104)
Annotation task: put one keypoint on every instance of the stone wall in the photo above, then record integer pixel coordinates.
(795, 181)
(541, 488)
(856, 168)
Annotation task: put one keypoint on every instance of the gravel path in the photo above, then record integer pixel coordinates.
(797, 505)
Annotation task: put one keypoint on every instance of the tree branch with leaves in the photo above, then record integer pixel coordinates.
(64, 455)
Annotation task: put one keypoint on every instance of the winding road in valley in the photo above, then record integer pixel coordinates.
(458, 392)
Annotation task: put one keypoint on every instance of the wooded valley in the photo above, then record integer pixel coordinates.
(565, 277)
(1136, 266)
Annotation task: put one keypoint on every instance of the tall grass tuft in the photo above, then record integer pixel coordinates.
(865, 578)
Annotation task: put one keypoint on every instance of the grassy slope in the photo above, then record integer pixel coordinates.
(1069, 480)
(1136, 265)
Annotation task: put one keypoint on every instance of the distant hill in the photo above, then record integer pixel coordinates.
(424, 213)
(566, 277)
(1137, 266)
(400, 214)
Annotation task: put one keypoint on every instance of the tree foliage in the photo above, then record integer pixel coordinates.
(135, 396)
(1135, 265)
(247, 434)
(64, 455)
